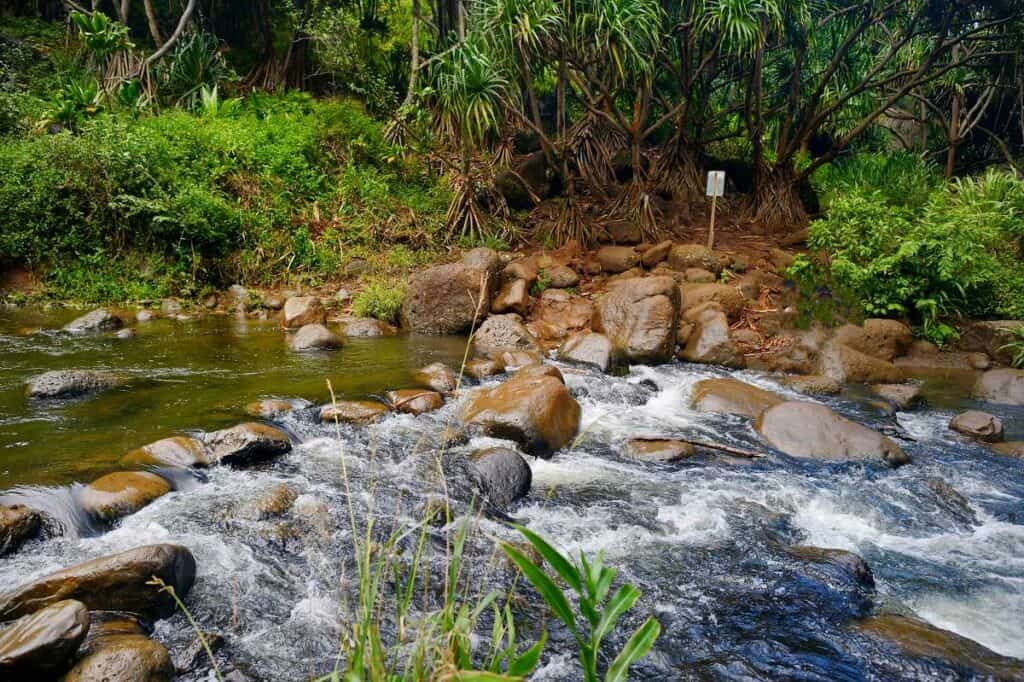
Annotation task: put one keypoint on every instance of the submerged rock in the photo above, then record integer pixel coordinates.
(246, 444)
(658, 450)
(502, 475)
(119, 582)
(437, 377)
(353, 411)
(41, 645)
(482, 368)
(415, 400)
(17, 524)
(846, 576)
(447, 299)
(814, 384)
(100, 320)
(812, 431)
(535, 410)
(977, 424)
(123, 658)
(915, 637)
(588, 348)
(639, 317)
(302, 310)
(1013, 448)
(1003, 386)
(729, 396)
(315, 337)
(501, 333)
(121, 493)
(903, 396)
(67, 383)
(368, 327)
(269, 408)
(177, 451)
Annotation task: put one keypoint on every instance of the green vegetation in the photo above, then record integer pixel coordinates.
(381, 298)
(1016, 348)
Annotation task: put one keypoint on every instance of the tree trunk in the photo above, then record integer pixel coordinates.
(154, 25)
(777, 206)
(954, 134)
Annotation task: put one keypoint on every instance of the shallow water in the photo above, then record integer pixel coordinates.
(705, 540)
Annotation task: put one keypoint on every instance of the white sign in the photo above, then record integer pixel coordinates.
(716, 183)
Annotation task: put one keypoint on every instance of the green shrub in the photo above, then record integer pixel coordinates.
(903, 179)
(959, 253)
(382, 299)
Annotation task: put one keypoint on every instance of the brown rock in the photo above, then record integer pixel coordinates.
(447, 299)
(559, 315)
(483, 259)
(813, 431)
(503, 332)
(124, 658)
(353, 411)
(847, 364)
(268, 409)
(656, 254)
(1011, 448)
(882, 339)
(729, 396)
(699, 276)
(588, 348)
(639, 318)
(100, 320)
(1003, 386)
(991, 337)
(684, 256)
(415, 400)
(437, 377)
(246, 444)
(658, 450)
(710, 342)
(273, 501)
(903, 396)
(618, 258)
(121, 493)
(727, 296)
(624, 232)
(525, 269)
(563, 277)
(119, 582)
(41, 645)
(481, 368)
(368, 327)
(781, 260)
(980, 425)
(314, 337)
(814, 384)
(302, 310)
(796, 352)
(17, 524)
(514, 297)
(513, 360)
(537, 412)
(177, 451)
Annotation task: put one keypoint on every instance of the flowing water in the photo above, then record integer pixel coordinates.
(706, 540)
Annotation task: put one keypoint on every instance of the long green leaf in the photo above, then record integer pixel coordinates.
(543, 584)
(484, 676)
(621, 601)
(638, 645)
(569, 573)
(524, 664)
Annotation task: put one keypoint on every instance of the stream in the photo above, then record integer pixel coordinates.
(705, 540)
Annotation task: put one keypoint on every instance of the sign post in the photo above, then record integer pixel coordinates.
(716, 188)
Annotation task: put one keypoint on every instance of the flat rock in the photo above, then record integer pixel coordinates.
(269, 408)
(353, 411)
(68, 383)
(41, 645)
(814, 384)
(729, 396)
(658, 449)
(246, 444)
(314, 337)
(100, 320)
(501, 475)
(302, 310)
(1002, 386)
(588, 348)
(415, 400)
(18, 523)
(980, 425)
(121, 493)
(437, 377)
(177, 451)
(118, 582)
(503, 332)
(813, 431)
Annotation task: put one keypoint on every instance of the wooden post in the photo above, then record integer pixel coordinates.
(716, 187)
(711, 230)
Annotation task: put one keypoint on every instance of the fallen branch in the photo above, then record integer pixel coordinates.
(739, 452)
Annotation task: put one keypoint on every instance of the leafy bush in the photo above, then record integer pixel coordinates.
(958, 253)
(902, 178)
(382, 299)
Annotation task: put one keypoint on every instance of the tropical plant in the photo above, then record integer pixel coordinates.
(1016, 347)
(102, 36)
(76, 101)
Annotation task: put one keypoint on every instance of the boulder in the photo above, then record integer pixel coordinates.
(560, 314)
(700, 276)
(514, 190)
(123, 658)
(1012, 448)
(991, 337)
(794, 352)
(813, 431)
(415, 400)
(119, 582)
(562, 277)
(170, 307)
(177, 451)
(882, 339)
(844, 363)
(514, 297)
(639, 317)
(484, 259)
(656, 254)
(145, 316)
(727, 296)
(18, 523)
(624, 232)
(979, 425)
(536, 411)
(814, 384)
(503, 332)
(100, 320)
(124, 334)
(501, 475)
(315, 337)
(903, 396)
(515, 360)
(588, 348)
(353, 411)
(302, 310)
(710, 343)
(729, 396)
(683, 256)
(41, 645)
(658, 450)
(481, 368)
(1002, 386)
(447, 299)
(269, 502)
(246, 444)
(522, 268)
(274, 302)
(67, 383)
(618, 258)
(121, 493)
(918, 639)
(269, 408)
(437, 377)
(368, 327)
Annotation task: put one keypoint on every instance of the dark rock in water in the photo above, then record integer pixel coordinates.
(588, 348)
(41, 645)
(17, 524)
(177, 451)
(118, 582)
(813, 431)
(437, 377)
(447, 299)
(415, 400)
(195, 657)
(916, 638)
(1003, 386)
(658, 450)
(538, 412)
(100, 320)
(123, 658)
(315, 337)
(843, 574)
(246, 444)
(67, 383)
(980, 425)
(502, 475)
(353, 412)
(948, 498)
(121, 493)
(729, 396)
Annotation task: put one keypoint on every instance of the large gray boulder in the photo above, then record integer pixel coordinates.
(447, 299)
(813, 431)
(315, 337)
(1003, 386)
(41, 645)
(119, 582)
(67, 383)
(501, 333)
(502, 475)
(639, 317)
(588, 348)
(302, 310)
(100, 320)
